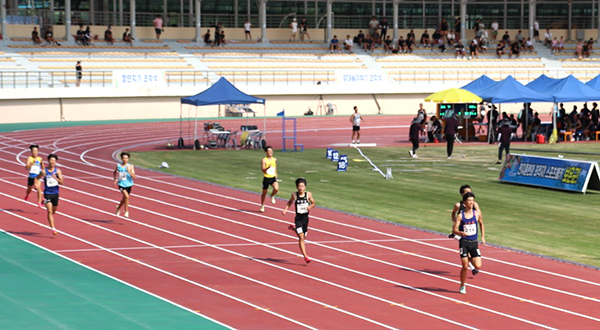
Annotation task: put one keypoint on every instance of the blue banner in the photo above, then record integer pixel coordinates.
(342, 163)
(335, 156)
(556, 173)
(328, 153)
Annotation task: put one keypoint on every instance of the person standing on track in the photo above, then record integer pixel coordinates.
(466, 227)
(34, 166)
(304, 201)
(269, 169)
(450, 130)
(355, 119)
(52, 177)
(124, 175)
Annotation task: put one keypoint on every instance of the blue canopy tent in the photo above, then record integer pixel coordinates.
(594, 83)
(542, 83)
(221, 92)
(480, 84)
(510, 90)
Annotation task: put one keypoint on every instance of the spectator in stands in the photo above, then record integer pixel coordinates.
(590, 46)
(401, 44)
(506, 38)
(294, 27)
(536, 30)
(368, 44)
(441, 45)
(127, 37)
(434, 127)
(108, 37)
(80, 36)
(500, 49)
(519, 37)
(476, 26)
(473, 50)
(304, 29)
(413, 136)
(158, 26)
(410, 34)
(495, 30)
(206, 38)
(247, 27)
(88, 36)
(425, 39)
(222, 38)
(547, 37)
(587, 48)
(373, 25)
(435, 37)
(376, 40)
(78, 73)
(460, 49)
(515, 49)
(360, 38)
(348, 44)
(387, 44)
(383, 26)
(481, 29)
(579, 50)
(451, 38)
(50, 37)
(529, 45)
(561, 45)
(334, 45)
(457, 27)
(443, 28)
(35, 36)
(410, 44)
(554, 46)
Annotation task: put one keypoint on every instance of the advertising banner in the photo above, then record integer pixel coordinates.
(139, 78)
(556, 173)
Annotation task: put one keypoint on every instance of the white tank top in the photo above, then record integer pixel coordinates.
(357, 119)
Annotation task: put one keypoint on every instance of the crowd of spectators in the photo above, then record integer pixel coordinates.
(581, 124)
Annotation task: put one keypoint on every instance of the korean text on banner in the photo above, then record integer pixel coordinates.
(139, 78)
(349, 77)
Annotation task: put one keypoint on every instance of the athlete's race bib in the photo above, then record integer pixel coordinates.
(271, 171)
(35, 168)
(470, 229)
(51, 181)
(302, 208)
(122, 176)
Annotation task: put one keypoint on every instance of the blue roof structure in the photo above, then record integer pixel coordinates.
(510, 90)
(480, 84)
(594, 83)
(221, 92)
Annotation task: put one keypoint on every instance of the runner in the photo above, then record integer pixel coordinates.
(459, 207)
(355, 119)
(304, 202)
(52, 177)
(269, 169)
(468, 246)
(124, 175)
(35, 166)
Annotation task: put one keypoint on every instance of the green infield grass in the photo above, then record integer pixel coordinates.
(422, 192)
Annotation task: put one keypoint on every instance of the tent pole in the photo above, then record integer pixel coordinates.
(265, 121)
(180, 120)
(196, 129)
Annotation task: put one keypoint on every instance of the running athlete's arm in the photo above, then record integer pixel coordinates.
(58, 176)
(263, 166)
(454, 210)
(115, 175)
(29, 163)
(131, 171)
(311, 200)
(289, 203)
(477, 208)
(480, 220)
(352, 119)
(455, 230)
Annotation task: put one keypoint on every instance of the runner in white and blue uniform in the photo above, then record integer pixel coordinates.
(124, 175)
(467, 229)
(303, 200)
(52, 177)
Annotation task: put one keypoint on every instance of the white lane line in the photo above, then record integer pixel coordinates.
(100, 272)
(293, 253)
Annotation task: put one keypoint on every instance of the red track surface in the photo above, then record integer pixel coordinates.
(206, 248)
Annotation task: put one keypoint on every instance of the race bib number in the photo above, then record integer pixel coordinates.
(271, 171)
(122, 176)
(35, 168)
(470, 229)
(51, 181)
(302, 208)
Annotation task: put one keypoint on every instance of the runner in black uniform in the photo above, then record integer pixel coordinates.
(304, 202)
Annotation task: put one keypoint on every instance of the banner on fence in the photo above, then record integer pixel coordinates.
(139, 78)
(361, 76)
(556, 173)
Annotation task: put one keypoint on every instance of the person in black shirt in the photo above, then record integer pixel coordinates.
(460, 49)
(360, 38)
(108, 37)
(473, 50)
(127, 37)
(450, 129)
(595, 114)
(35, 36)
(50, 37)
(78, 73)
(414, 134)
(207, 37)
(444, 28)
(304, 202)
(383, 26)
(515, 49)
(425, 39)
(505, 134)
(500, 49)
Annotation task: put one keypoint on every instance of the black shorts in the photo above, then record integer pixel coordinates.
(355, 128)
(247, 32)
(268, 182)
(301, 223)
(30, 182)
(468, 248)
(127, 189)
(536, 33)
(51, 198)
(158, 31)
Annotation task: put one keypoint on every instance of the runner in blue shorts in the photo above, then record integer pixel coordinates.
(304, 201)
(124, 175)
(52, 177)
(466, 227)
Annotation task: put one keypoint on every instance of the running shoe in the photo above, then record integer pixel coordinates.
(262, 208)
(273, 199)
(126, 214)
(40, 205)
(307, 259)
(118, 210)
(26, 197)
(291, 227)
(475, 271)
(463, 289)
(54, 231)
(410, 152)
(451, 235)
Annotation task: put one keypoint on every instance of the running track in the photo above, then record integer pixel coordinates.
(206, 248)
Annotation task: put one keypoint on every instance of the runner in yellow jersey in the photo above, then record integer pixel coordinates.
(34, 166)
(269, 169)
